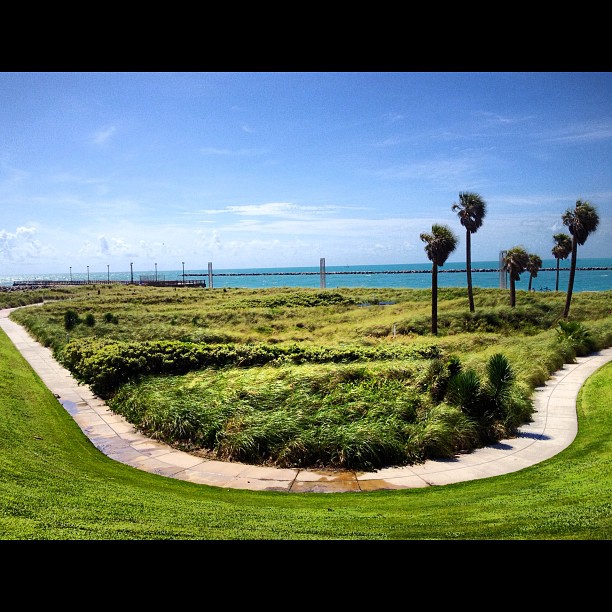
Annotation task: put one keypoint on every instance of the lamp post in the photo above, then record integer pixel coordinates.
(70, 273)
(156, 272)
(108, 273)
(131, 273)
(88, 274)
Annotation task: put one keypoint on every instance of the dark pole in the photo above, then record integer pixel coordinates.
(70, 273)
(155, 272)
(108, 272)
(87, 273)
(183, 274)
(131, 272)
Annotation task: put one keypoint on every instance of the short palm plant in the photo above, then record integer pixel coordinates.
(533, 267)
(492, 404)
(515, 263)
(562, 248)
(576, 335)
(500, 377)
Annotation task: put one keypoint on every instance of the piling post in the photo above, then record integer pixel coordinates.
(503, 279)
(322, 272)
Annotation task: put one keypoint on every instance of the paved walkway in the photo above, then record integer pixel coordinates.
(554, 427)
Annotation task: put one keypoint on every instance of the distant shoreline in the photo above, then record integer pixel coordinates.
(41, 283)
(591, 274)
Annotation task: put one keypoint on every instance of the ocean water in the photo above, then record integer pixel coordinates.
(591, 275)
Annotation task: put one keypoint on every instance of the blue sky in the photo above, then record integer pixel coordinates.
(269, 169)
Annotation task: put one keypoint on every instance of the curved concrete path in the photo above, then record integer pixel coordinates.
(554, 427)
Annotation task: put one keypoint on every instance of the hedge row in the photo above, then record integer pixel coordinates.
(106, 365)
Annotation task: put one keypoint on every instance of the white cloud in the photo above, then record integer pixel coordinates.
(495, 119)
(20, 245)
(104, 249)
(281, 209)
(103, 135)
(229, 152)
(11, 176)
(267, 210)
(585, 132)
(210, 240)
(446, 172)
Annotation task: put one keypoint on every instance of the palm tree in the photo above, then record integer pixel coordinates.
(471, 210)
(438, 246)
(515, 263)
(562, 248)
(581, 222)
(533, 266)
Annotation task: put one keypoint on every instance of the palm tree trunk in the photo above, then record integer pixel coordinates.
(512, 292)
(557, 283)
(434, 299)
(530, 279)
(468, 263)
(570, 284)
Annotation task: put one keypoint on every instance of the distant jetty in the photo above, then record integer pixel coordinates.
(373, 272)
(151, 281)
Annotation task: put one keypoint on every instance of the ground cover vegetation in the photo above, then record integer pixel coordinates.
(345, 378)
(55, 485)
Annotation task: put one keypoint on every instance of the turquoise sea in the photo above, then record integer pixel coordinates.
(591, 275)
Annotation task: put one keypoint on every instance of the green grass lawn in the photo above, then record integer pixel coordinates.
(55, 485)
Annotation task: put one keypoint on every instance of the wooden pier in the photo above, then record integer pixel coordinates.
(151, 283)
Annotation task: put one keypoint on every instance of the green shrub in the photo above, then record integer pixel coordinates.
(437, 375)
(500, 377)
(446, 431)
(71, 319)
(109, 317)
(498, 405)
(465, 392)
(577, 336)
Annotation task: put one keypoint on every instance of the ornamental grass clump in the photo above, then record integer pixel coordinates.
(496, 404)
(336, 416)
(576, 336)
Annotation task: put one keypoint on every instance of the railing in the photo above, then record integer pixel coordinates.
(158, 283)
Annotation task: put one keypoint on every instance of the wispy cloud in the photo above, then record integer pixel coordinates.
(266, 210)
(443, 171)
(229, 152)
(103, 135)
(388, 142)
(393, 117)
(67, 177)
(585, 132)
(496, 119)
(282, 210)
(11, 175)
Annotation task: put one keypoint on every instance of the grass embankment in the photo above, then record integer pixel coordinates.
(55, 485)
(343, 379)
